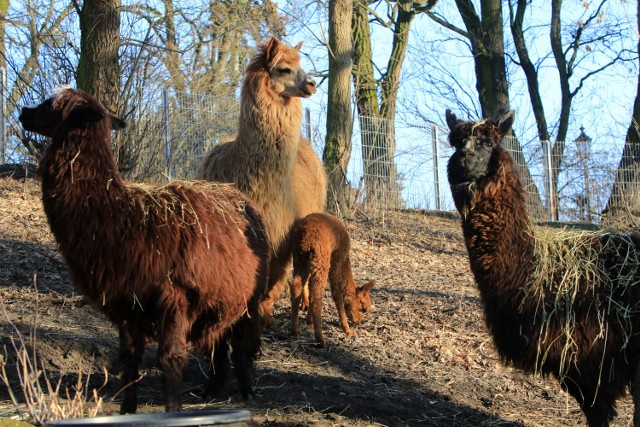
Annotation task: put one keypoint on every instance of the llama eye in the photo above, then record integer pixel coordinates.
(486, 142)
(284, 70)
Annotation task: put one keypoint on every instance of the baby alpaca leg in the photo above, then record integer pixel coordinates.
(316, 291)
(296, 297)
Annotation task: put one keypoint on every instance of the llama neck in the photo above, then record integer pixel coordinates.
(268, 141)
(350, 283)
(79, 176)
(497, 232)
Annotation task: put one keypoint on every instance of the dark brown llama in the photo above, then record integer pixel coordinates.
(268, 160)
(320, 245)
(181, 263)
(576, 324)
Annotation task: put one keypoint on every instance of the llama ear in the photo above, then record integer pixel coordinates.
(298, 47)
(84, 113)
(272, 47)
(366, 288)
(451, 118)
(505, 122)
(117, 123)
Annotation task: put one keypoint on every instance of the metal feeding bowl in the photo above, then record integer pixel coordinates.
(226, 418)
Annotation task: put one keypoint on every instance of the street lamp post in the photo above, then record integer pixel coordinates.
(583, 146)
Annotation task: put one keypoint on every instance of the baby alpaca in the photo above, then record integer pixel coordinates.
(320, 245)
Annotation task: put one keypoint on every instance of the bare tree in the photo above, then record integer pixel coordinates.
(624, 203)
(485, 35)
(37, 42)
(376, 98)
(587, 36)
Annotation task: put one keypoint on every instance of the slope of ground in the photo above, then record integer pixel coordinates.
(422, 357)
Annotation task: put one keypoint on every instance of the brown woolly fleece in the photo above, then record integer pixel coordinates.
(580, 337)
(181, 263)
(268, 160)
(320, 245)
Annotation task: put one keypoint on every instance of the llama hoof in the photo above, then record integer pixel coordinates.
(211, 393)
(128, 406)
(247, 396)
(173, 407)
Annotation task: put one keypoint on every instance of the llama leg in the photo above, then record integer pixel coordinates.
(172, 356)
(278, 270)
(305, 298)
(131, 351)
(245, 341)
(635, 392)
(316, 290)
(295, 290)
(597, 409)
(218, 369)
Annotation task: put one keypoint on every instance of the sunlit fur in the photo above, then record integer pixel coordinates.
(532, 324)
(269, 160)
(180, 263)
(320, 245)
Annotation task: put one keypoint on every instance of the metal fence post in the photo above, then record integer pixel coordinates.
(436, 165)
(3, 116)
(549, 181)
(309, 128)
(167, 136)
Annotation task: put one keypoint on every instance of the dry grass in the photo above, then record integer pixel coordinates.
(44, 398)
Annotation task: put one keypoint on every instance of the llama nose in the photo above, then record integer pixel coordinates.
(311, 82)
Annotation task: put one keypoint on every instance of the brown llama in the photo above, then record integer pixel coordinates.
(268, 160)
(320, 245)
(577, 321)
(180, 263)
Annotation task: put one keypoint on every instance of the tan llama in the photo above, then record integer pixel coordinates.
(268, 160)
(320, 245)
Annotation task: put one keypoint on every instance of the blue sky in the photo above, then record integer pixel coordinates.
(603, 106)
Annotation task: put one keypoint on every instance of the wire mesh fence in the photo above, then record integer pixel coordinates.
(393, 166)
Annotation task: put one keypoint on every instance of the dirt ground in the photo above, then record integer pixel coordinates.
(422, 356)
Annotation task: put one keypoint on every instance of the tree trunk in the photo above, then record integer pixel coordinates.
(557, 151)
(530, 71)
(4, 8)
(172, 55)
(623, 207)
(337, 149)
(98, 68)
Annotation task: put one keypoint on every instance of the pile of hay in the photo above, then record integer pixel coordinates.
(571, 267)
(171, 202)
